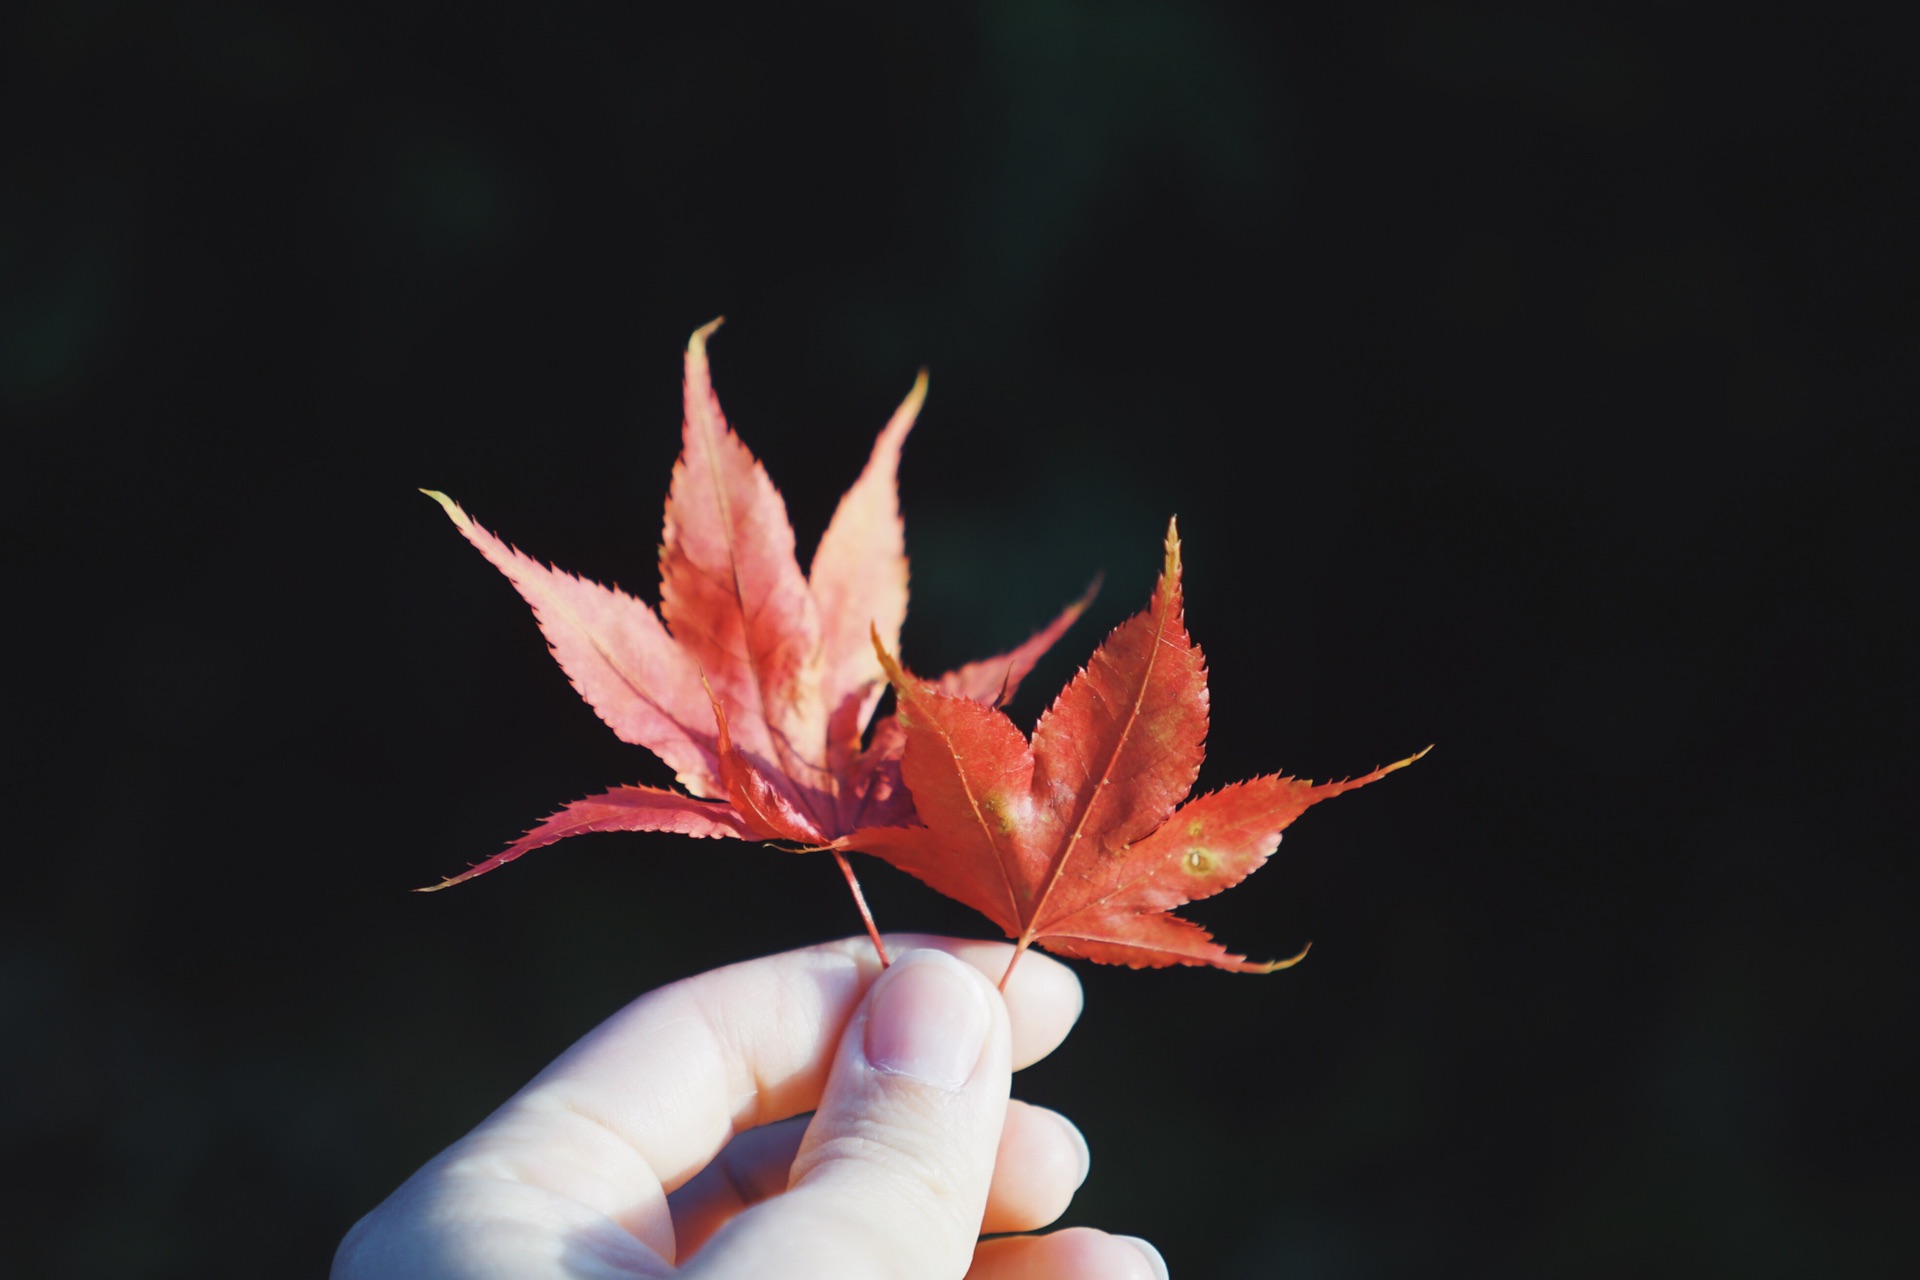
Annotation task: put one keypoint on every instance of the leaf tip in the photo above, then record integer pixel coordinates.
(909, 411)
(697, 344)
(1401, 764)
(903, 418)
(448, 505)
(1168, 589)
(1274, 966)
(896, 674)
(1086, 599)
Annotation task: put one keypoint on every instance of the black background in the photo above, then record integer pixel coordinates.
(1534, 381)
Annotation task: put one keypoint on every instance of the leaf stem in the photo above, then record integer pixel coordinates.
(1019, 950)
(860, 900)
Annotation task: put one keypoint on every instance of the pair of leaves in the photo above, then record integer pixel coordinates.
(1078, 840)
(755, 682)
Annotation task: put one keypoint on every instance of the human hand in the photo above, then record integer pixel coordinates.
(671, 1140)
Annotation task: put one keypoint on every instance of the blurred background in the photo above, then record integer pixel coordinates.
(1534, 382)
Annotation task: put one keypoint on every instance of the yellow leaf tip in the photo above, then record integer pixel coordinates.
(1086, 599)
(1274, 966)
(916, 398)
(697, 344)
(1401, 764)
(888, 663)
(909, 410)
(448, 505)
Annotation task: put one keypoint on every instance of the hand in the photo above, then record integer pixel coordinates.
(671, 1140)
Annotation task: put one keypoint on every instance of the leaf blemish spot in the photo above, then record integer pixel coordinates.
(996, 807)
(1199, 861)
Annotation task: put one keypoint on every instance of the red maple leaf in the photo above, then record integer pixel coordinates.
(755, 683)
(1073, 840)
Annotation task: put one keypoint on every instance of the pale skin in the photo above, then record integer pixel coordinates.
(674, 1139)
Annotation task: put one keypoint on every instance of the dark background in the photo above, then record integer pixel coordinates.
(1534, 381)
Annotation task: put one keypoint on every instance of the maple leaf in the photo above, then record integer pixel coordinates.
(755, 683)
(1079, 840)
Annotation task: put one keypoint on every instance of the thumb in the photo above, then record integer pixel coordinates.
(892, 1177)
